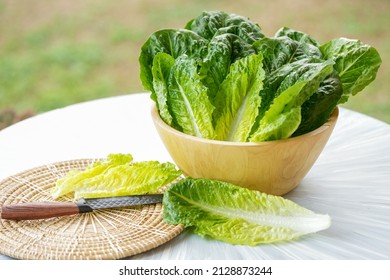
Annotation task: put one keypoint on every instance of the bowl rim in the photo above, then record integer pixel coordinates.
(159, 121)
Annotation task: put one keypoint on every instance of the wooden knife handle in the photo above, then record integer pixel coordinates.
(38, 210)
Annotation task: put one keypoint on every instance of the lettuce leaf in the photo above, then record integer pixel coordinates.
(297, 36)
(238, 99)
(317, 110)
(188, 99)
(223, 50)
(277, 52)
(356, 66)
(282, 119)
(174, 42)
(161, 69)
(115, 176)
(214, 23)
(237, 215)
(356, 63)
(282, 113)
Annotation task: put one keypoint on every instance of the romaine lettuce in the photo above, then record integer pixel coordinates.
(161, 69)
(203, 84)
(188, 99)
(214, 23)
(238, 99)
(115, 176)
(290, 90)
(308, 47)
(223, 50)
(355, 62)
(320, 105)
(277, 52)
(174, 42)
(282, 118)
(237, 215)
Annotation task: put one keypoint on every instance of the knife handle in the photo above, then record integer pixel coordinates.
(38, 210)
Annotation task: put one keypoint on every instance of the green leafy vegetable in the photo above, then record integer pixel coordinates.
(206, 83)
(308, 47)
(223, 50)
(161, 69)
(320, 105)
(276, 52)
(188, 99)
(238, 99)
(116, 175)
(170, 41)
(355, 62)
(290, 89)
(282, 119)
(237, 215)
(213, 23)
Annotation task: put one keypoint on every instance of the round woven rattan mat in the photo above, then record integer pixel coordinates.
(102, 234)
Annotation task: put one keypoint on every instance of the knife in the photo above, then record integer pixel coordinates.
(43, 210)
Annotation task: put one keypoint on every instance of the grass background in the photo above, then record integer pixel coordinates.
(55, 53)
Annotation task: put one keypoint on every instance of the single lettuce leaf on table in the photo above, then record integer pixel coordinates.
(237, 215)
(116, 175)
(74, 177)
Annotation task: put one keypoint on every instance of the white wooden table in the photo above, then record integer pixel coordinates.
(350, 181)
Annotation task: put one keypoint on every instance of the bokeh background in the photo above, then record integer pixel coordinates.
(56, 53)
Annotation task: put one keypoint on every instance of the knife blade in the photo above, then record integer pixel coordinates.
(44, 210)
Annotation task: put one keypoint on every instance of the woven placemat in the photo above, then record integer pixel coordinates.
(102, 234)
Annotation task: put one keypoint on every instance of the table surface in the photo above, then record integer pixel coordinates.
(350, 181)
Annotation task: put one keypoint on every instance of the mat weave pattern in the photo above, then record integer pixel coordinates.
(102, 234)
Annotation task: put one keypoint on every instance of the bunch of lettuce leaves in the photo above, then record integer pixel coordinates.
(116, 175)
(238, 215)
(221, 78)
(212, 208)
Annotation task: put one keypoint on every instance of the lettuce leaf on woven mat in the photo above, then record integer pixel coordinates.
(237, 215)
(115, 176)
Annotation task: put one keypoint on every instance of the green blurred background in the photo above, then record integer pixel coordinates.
(56, 53)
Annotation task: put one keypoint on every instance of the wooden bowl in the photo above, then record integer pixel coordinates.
(274, 167)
